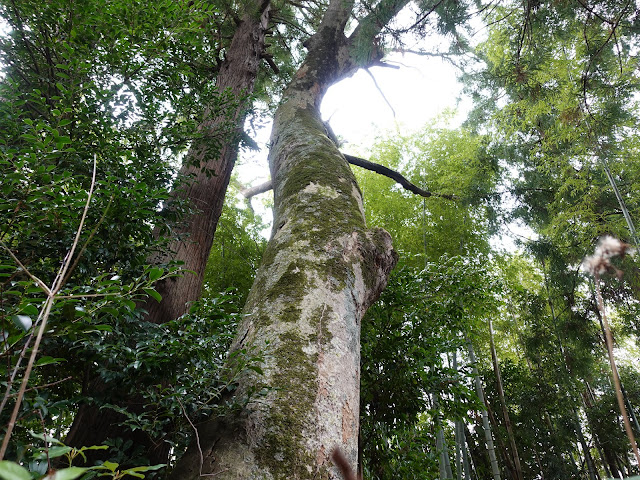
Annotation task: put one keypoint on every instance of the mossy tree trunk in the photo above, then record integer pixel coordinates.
(321, 271)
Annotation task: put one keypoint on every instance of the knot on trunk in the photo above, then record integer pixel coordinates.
(376, 257)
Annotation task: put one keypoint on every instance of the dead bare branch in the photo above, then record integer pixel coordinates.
(366, 164)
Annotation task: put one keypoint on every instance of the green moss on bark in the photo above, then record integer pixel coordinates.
(285, 450)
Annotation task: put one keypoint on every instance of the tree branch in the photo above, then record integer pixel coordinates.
(397, 176)
(366, 164)
(381, 92)
(257, 190)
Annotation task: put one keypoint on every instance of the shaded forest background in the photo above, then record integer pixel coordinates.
(467, 338)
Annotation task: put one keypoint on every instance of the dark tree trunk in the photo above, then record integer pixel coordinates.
(209, 170)
(205, 192)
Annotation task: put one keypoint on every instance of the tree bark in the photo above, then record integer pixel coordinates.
(444, 465)
(478, 462)
(193, 241)
(593, 474)
(504, 452)
(210, 167)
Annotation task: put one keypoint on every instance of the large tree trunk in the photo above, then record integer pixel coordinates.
(209, 168)
(321, 271)
(205, 192)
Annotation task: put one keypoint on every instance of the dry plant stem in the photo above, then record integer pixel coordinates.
(195, 430)
(614, 369)
(23, 386)
(40, 283)
(57, 284)
(23, 352)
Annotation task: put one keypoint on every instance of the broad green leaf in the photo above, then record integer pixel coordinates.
(48, 361)
(69, 473)
(13, 471)
(155, 273)
(54, 452)
(23, 321)
(135, 471)
(94, 447)
(45, 438)
(111, 466)
(152, 293)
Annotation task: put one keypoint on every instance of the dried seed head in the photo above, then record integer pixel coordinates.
(607, 248)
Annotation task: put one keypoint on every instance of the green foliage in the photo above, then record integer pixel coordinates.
(568, 106)
(36, 462)
(443, 161)
(558, 102)
(125, 83)
(406, 338)
(236, 252)
(179, 371)
(438, 293)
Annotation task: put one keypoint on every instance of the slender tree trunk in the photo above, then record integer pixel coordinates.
(320, 272)
(538, 461)
(593, 474)
(441, 445)
(461, 450)
(502, 448)
(478, 460)
(206, 193)
(507, 420)
(458, 451)
(466, 457)
(632, 412)
(485, 417)
(603, 460)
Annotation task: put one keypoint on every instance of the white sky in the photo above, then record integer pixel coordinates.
(419, 90)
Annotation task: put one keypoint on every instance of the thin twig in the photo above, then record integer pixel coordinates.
(381, 92)
(195, 430)
(91, 235)
(25, 379)
(58, 282)
(23, 352)
(44, 435)
(47, 385)
(39, 282)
